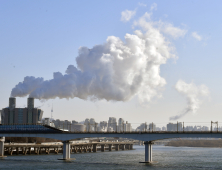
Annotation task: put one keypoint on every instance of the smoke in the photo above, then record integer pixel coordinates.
(194, 95)
(116, 70)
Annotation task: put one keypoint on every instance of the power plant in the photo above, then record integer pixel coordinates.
(13, 115)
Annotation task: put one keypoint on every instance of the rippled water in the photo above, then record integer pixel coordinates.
(164, 157)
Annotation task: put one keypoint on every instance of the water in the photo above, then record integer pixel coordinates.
(164, 157)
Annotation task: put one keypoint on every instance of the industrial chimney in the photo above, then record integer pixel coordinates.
(12, 103)
(30, 103)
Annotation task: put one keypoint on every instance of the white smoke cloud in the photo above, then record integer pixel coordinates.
(167, 28)
(173, 31)
(194, 95)
(153, 7)
(142, 4)
(116, 70)
(127, 15)
(196, 36)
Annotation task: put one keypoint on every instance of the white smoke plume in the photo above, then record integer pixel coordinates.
(116, 70)
(194, 95)
(127, 15)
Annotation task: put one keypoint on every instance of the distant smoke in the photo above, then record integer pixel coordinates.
(194, 95)
(116, 70)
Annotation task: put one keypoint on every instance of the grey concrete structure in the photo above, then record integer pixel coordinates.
(94, 147)
(66, 150)
(13, 115)
(102, 148)
(2, 140)
(30, 104)
(148, 151)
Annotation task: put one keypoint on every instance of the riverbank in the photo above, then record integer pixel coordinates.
(195, 143)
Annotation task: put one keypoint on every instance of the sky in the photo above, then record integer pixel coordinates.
(38, 38)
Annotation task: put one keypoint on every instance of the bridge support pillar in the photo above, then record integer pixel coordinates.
(102, 148)
(123, 147)
(117, 147)
(110, 147)
(90, 148)
(94, 147)
(131, 147)
(66, 150)
(148, 152)
(2, 149)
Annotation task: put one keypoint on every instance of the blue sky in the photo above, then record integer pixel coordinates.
(38, 38)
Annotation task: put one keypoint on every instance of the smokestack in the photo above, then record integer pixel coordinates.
(12, 102)
(30, 103)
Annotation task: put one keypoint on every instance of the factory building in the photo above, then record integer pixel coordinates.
(13, 115)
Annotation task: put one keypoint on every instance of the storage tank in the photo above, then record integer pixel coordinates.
(78, 127)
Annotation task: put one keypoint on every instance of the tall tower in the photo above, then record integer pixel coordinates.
(30, 104)
(12, 103)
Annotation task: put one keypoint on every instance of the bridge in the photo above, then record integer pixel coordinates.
(149, 137)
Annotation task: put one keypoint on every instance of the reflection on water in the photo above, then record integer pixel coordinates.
(164, 157)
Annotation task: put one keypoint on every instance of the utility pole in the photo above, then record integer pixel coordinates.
(152, 126)
(211, 126)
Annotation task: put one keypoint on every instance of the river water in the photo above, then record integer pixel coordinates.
(164, 157)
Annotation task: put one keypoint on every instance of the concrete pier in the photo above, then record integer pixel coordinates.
(117, 147)
(94, 147)
(110, 147)
(66, 150)
(38, 149)
(2, 148)
(148, 152)
(123, 147)
(102, 148)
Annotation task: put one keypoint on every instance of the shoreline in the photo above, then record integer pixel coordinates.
(196, 143)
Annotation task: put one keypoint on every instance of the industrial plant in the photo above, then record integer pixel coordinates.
(28, 115)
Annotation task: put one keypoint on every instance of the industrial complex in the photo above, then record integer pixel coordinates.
(28, 115)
